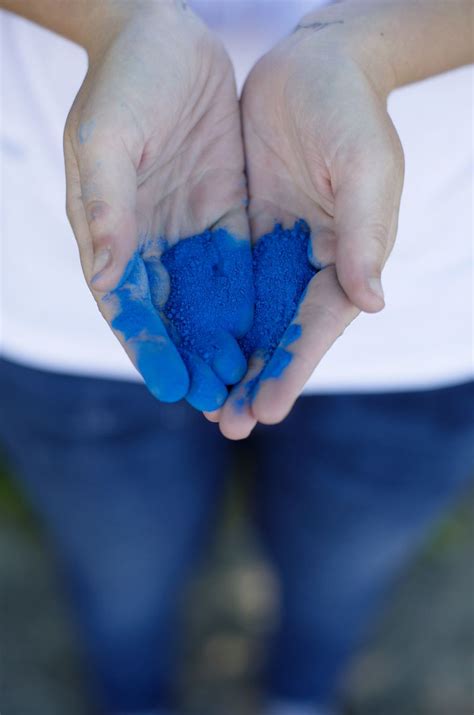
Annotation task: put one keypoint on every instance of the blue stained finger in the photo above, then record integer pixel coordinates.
(279, 361)
(158, 280)
(282, 357)
(145, 336)
(228, 361)
(207, 393)
(163, 370)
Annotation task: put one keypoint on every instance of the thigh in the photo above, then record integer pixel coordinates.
(347, 487)
(125, 485)
(372, 464)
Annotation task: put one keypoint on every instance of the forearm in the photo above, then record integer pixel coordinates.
(400, 41)
(89, 23)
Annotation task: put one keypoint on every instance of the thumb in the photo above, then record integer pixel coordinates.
(102, 187)
(367, 203)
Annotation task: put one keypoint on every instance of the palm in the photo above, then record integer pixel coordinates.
(299, 143)
(191, 172)
(172, 115)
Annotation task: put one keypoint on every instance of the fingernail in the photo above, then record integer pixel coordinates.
(102, 260)
(375, 285)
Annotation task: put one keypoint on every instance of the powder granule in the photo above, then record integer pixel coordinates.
(281, 273)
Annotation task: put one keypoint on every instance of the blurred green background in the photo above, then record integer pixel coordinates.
(418, 661)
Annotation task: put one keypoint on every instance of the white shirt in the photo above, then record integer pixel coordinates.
(48, 318)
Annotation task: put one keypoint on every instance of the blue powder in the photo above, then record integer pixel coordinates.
(197, 343)
(281, 273)
(210, 305)
(188, 347)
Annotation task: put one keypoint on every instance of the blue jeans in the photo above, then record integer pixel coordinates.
(345, 491)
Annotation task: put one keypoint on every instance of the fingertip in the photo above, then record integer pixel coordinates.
(365, 291)
(212, 416)
(229, 362)
(112, 268)
(269, 412)
(237, 421)
(163, 370)
(113, 234)
(107, 280)
(236, 432)
(207, 393)
(375, 287)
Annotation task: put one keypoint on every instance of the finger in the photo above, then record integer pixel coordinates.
(207, 393)
(101, 181)
(322, 317)
(130, 313)
(159, 281)
(228, 360)
(322, 247)
(236, 418)
(213, 416)
(365, 202)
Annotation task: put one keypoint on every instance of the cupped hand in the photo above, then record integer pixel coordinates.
(320, 146)
(154, 154)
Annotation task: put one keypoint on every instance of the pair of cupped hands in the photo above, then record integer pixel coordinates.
(159, 148)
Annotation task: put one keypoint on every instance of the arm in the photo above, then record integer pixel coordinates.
(399, 41)
(86, 22)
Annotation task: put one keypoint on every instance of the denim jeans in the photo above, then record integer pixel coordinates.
(346, 489)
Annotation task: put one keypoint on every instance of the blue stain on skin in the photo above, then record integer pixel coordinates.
(85, 130)
(278, 363)
(188, 346)
(293, 333)
(282, 272)
(275, 368)
(197, 342)
(281, 358)
(156, 357)
(313, 258)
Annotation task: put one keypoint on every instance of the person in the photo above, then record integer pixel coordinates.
(381, 443)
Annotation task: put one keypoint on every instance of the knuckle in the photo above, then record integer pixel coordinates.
(329, 318)
(97, 212)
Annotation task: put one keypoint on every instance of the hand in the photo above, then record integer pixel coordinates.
(320, 146)
(153, 154)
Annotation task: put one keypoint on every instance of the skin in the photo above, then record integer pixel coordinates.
(153, 147)
(320, 144)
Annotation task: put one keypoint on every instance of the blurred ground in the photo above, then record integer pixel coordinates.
(419, 661)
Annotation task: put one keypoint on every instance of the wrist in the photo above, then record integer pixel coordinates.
(396, 42)
(352, 32)
(108, 19)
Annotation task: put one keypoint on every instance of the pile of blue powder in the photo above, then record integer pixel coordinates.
(281, 273)
(211, 291)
